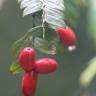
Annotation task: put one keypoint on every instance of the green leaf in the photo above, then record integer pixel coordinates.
(92, 20)
(47, 44)
(30, 6)
(44, 46)
(35, 31)
(34, 38)
(53, 11)
(89, 73)
(72, 12)
(25, 41)
(16, 68)
(17, 46)
(51, 35)
(60, 47)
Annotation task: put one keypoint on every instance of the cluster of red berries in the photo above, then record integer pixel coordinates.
(67, 37)
(33, 67)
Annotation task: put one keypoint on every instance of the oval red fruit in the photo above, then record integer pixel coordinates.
(67, 36)
(27, 58)
(29, 84)
(45, 65)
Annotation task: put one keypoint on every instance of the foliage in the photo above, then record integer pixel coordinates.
(89, 73)
(72, 13)
(92, 20)
(47, 15)
(53, 11)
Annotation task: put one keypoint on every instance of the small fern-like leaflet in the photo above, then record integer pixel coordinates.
(53, 10)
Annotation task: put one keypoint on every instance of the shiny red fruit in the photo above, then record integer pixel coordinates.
(67, 36)
(27, 58)
(29, 84)
(45, 65)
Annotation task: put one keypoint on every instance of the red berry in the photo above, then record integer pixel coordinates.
(27, 58)
(29, 84)
(67, 36)
(45, 65)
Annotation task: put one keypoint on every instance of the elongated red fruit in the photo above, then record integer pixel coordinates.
(45, 65)
(29, 84)
(67, 36)
(27, 58)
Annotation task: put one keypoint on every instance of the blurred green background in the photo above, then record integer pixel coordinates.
(65, 81)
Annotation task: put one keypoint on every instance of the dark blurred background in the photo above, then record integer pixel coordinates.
(65, 81)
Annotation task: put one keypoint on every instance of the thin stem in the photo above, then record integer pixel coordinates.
(43, 25)
(43, 18)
